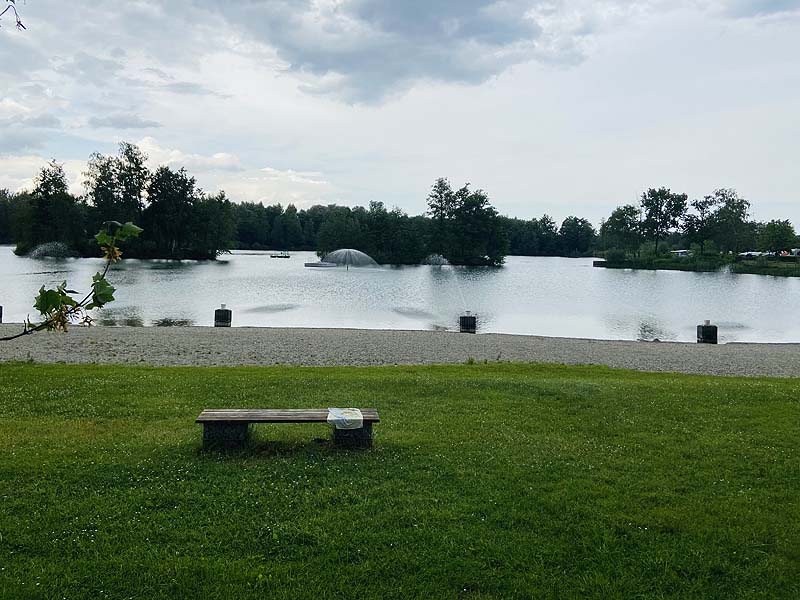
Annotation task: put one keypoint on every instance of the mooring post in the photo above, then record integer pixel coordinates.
(707, 333)
(468, 323)
(222, 317)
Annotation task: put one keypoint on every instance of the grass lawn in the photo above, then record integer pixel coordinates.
(486, 481)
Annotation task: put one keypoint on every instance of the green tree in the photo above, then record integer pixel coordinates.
(6, 219)
(116, 185)
(172, 196)
(476, 236)
(213, 229)
(547, 232)
(663, 211)
(292, 229)
(622, 230)
(776, 236)
(731, 226)
(441, 207)
(339, 230)
(52, 214)
(699, 226)
(577, 236)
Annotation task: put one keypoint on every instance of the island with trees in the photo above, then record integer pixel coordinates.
(181, 221)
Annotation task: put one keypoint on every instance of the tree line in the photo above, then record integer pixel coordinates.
(182, 221)
(717, 223)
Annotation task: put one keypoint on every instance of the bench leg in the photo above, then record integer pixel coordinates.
(225, 435)
(354, 438)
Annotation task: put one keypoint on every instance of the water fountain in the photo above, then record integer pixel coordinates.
(436, 260)
(51, 250)
(350, 258)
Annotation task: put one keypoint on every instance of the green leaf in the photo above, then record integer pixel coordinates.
(47, 301)
(103, 239)
(112, 226)
(128, 230)
(102, 291)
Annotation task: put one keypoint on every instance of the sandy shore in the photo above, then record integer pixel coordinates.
(203, 346)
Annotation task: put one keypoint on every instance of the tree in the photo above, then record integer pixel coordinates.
(699, 226)
(577, 236)
(477, 236)
(663, 211)
(731, 228)
(441, 205)
(52, 213)
(776, 236)
(172, 196)
(117, 186)
(213, 229)
(547, 232)
(292, 230)
(622, 230)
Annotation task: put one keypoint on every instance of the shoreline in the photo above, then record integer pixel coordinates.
(262, 346)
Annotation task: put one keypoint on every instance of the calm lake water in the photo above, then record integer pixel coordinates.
(539, 296)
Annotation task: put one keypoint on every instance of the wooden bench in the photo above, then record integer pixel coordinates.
(230, 427)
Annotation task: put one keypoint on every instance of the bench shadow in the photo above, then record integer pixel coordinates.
(256, 447)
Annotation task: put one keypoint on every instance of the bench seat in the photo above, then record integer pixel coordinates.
(229, 427)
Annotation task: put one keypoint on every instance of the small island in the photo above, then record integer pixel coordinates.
(714, 233)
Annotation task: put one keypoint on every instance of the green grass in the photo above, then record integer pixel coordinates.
(705, 263)
(764, 267)
(486, 481)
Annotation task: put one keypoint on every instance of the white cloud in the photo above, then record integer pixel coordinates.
(272, 186)
(12, 108)
(18, 172)
(123, 121)
(174, 158)
(564, 106)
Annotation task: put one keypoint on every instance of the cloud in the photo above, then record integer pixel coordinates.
(19, 172)
(90, 69)
(123, 121)
(10, 107)
(277, 186)
(366, 50)
(174, 158)
(188, 88)
(22, 130)
(761, 8)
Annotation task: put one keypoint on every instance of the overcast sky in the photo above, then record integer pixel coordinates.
(558, 106)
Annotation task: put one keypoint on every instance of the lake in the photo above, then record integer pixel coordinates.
(529, 295)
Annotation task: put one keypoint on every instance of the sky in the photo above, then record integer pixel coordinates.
(565, 107)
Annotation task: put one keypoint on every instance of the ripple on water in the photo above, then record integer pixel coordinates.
(416, 313)
(272, 308)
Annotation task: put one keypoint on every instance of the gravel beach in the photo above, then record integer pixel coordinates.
(206, 346)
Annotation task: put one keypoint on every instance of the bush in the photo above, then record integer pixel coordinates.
(615, 256)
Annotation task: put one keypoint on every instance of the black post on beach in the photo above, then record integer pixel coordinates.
(707, 333)
(468, 323)
(1, 314)
(222, 317)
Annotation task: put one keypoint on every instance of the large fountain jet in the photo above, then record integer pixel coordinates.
(350, 258)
